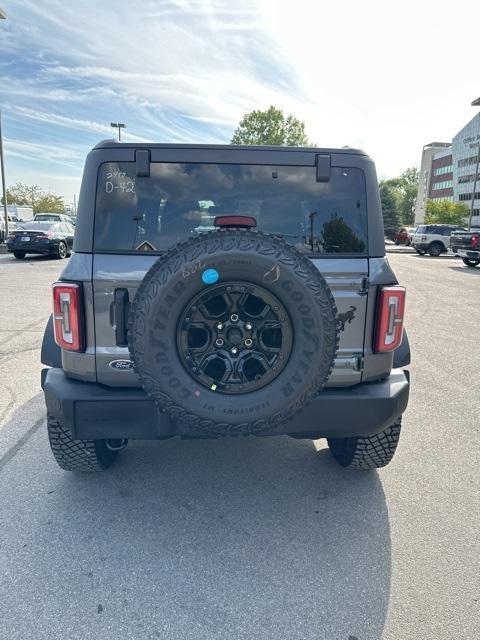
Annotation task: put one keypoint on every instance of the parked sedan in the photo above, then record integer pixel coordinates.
(53, 238)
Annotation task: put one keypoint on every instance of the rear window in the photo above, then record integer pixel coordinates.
(45, 217)
(38, 226)
(179, 200)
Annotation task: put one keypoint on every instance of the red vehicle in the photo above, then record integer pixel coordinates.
(404, 236)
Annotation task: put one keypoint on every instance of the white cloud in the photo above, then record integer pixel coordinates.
(384, 77)
(75, 123)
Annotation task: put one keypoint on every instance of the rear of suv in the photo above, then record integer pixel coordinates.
(433, 238)
(226, 290)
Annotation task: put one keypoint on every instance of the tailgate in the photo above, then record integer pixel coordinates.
(113, 275)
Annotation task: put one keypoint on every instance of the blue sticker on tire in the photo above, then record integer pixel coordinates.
(210, 276)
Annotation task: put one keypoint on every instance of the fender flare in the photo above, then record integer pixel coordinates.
(51, 354)
(401, 356)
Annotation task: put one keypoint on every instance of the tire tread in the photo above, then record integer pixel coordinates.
(368, 452)
(77, 455)
(174, 260)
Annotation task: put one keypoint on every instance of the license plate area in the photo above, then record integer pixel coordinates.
(25, 239)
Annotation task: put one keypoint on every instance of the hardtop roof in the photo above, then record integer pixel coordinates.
(114, 144)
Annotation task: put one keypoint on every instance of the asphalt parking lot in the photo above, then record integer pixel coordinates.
(248, 539)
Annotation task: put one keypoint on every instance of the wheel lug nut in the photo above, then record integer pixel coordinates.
(234, 351)
(219, 342)
(220, 326)
(248, 342)
(234, 317)
(248, 326)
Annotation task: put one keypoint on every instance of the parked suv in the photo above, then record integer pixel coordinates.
(54, 217)
(226, 290)
(433, 238)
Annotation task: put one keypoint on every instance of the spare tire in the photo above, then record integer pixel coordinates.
(233, 331)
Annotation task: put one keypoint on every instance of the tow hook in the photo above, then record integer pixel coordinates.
(117, 444)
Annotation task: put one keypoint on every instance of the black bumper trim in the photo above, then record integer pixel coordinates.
(94, 411)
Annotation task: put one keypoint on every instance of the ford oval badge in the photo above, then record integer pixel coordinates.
(121, 365)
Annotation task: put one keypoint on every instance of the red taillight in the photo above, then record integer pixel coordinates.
(235, 221)
(67, 316)
(389, 323)
(474, 241)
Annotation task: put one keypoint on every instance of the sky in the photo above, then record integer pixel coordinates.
(386, 77)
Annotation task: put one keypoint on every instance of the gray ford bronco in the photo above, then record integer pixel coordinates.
(226, 291)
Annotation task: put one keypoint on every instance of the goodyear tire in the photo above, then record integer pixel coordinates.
(368, 452)
(233, 332)
(87, 456)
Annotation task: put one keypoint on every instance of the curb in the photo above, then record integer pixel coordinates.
(390, 249)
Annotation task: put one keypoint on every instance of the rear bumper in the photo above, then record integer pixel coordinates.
(33, 247)
(94, 411)
(466, 253)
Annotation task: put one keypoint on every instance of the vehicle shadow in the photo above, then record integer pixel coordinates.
(427, 256)
(33, 258)
(250, 538)
(464, 269)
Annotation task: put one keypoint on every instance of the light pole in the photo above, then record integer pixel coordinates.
(3, 16)
(4, 187)
(475, 103)
(119, 126)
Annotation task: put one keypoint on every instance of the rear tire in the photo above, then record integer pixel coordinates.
(78, 455)
(470, 263)
(20, 255)
(62, 250)
(421, 252)
(368, 452)
(435, 249)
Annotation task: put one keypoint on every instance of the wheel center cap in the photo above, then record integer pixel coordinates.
(234, 336)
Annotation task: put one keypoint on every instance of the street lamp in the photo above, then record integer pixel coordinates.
(2, 173)
(3, 16)
(119, 126)
(475, 103)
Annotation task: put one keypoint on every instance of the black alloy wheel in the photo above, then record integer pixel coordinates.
(234, 338)
(435, 249)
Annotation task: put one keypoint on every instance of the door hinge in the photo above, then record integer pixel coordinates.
(355, 363)
(360, 363)
(364, 286)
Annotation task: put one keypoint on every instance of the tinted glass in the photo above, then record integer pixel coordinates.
(46, 217)
(180, 200)
(38, 226)
(420, 229)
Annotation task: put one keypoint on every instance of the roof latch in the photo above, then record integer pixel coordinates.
(142, 162)
(323, 167)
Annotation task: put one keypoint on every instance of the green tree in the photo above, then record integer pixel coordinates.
(271, 127)
(406, 187)
(49, 203)
(23, 194)
(34, 196)
(445, 212)
(338, 237)
(389, 200)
